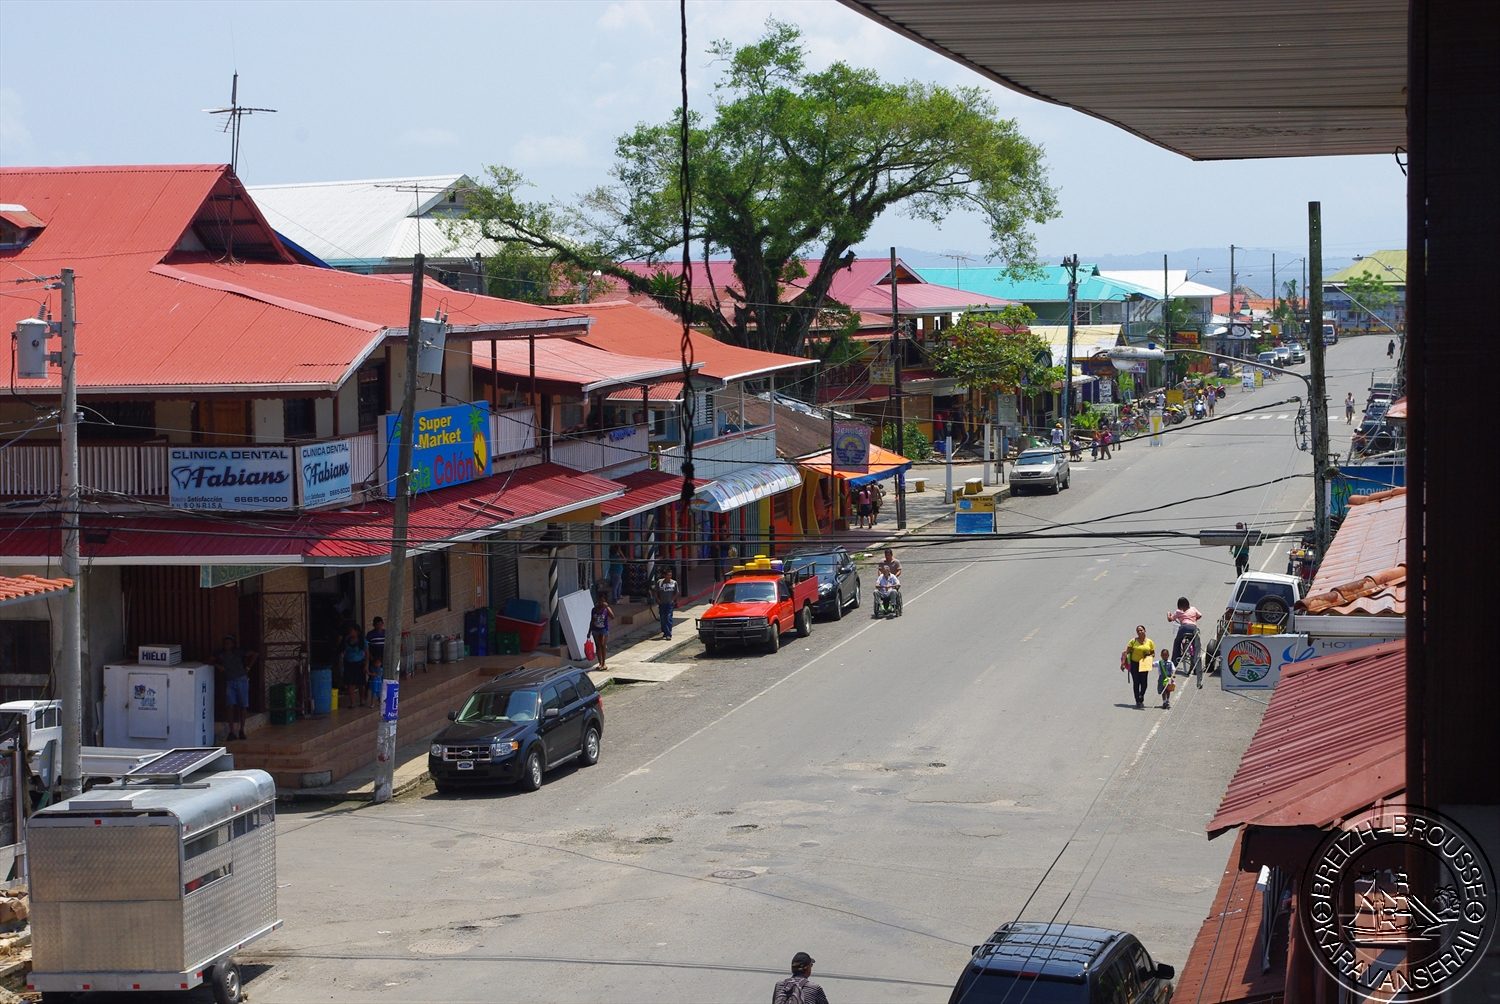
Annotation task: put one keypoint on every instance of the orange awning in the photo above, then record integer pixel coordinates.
(883, 464)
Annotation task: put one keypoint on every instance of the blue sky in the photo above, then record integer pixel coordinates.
(381, 89)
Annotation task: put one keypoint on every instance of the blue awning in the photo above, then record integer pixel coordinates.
(731, 491)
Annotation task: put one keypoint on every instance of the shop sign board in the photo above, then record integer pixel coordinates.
(974, 514)
(882, 370)
(1174, 397)
(851, 447)
(1247, 378)
(231, 478)
(1106, 392)
(324, 477)
(449, 447)
(1185, 339)
(1363, 479)
(1255, 661)
(210, 576)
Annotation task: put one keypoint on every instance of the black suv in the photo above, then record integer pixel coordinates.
(1062, 964)
(517, 726)
(838, 579)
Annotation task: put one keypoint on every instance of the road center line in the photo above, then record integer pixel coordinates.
(643, 768)
(1030, 636)
(1101, 575)
(1067, 604)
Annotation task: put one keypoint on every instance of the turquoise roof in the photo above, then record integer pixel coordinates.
(1050, 284)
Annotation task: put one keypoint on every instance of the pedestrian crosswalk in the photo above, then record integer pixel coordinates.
(1264, 418)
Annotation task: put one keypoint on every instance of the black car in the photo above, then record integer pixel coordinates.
(516, 727)
(838, 579)
(1062, 964)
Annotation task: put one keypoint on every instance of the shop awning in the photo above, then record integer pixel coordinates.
(644, 491)
(752, 484)
(883, 464)
(359, 536)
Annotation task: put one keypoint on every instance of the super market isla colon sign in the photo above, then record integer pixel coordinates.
(450, 447)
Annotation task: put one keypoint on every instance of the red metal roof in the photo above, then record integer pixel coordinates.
(23, 588)
(621, 326)
(162, 310)
(1397, 411)
(19, 216)
(356, 535)
(574, 363)
(644, 490)
(1225, 962)
(1332, 742)
(665, 392)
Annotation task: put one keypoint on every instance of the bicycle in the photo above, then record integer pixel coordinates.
(1193, 656)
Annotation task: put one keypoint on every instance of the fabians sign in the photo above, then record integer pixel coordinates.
(450, 447)
(324, 469)
(214, 478)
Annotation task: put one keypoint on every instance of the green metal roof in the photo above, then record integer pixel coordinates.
(1387, 265)
(1051, 284)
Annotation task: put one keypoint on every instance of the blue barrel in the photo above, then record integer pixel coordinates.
(322, 691)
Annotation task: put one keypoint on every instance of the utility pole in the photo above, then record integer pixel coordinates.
(1318, 406)
(1275, 296)
(1071, 264)
(70, 675)
(896, 396)
(395, 613)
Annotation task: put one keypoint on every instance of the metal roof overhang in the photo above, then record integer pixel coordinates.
(763, 370)
(562, 327)
(1256, 78)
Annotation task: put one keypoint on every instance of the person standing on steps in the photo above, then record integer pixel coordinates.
(235, 662)
(1137, 660)
(666, 601)
(799, 987)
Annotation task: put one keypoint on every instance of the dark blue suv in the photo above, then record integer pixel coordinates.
(518, 726)
(1062, 964)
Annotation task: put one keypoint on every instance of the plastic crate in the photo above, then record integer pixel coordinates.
(507, 643)
(283, 716)
(281, 695)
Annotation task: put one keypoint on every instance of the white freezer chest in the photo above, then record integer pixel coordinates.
(158, 707)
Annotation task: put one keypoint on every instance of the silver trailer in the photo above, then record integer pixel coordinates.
(155, 882)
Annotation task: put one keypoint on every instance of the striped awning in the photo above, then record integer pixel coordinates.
(730, 491)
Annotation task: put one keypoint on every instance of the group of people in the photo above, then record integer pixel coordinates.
(1140, 656)
(363, 657)
(866, 500)
(888, 586)
(664, 593)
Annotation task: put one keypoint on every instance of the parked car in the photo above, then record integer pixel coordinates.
(1283, 355)
(838, 578)
(1044, 468)
(1261, 598)
(1298, 351)
(757, 602)
(1267, 358)
(1062, 964)
(1374, 435)
(1330, 333)
(517, 727)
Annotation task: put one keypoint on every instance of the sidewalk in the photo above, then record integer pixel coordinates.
(359, 786)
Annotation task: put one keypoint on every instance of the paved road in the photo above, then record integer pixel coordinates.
(882, 794)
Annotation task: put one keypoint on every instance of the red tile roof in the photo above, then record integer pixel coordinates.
(1371, 540)
(621, 326)
(24, 588)
(1332, 742)
(163, 308)
(359, 535)
(1224, 965)
(1381, 595)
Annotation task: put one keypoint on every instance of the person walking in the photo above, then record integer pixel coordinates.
(1241, 552)
(1166, 682)
(235, 662)
(1349, 408)
(356, 657)
(1105, 439)
(599, 628)
(666, 600)
(1213, 397)
(892, 561)
(799, 987)
(1390, 349)
(1057, 434)
(1097, 443)
(1137, 660)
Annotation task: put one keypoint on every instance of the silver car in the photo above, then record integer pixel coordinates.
(1044, 468)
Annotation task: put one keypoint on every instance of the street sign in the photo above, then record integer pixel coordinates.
(851, 447)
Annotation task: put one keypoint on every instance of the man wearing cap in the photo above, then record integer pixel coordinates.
(799, 989)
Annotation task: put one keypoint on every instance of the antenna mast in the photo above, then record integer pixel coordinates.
(235, 111)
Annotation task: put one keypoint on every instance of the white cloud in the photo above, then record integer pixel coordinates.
(429, 137)
(539, 150)
(13, 132)
(624, 15)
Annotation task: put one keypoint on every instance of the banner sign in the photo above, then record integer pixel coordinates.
(324, 477)
(974, 514)
(882, 370)
(1247, 378)
(241, 478)
(1185, 339)
(210, 576)
(449, 447)
(851, 447)
(1364, 479)
(1254, 662)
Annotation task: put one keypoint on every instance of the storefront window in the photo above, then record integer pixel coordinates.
(430, 582)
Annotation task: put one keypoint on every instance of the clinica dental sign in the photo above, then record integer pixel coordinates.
(231, 478)
(324, 472)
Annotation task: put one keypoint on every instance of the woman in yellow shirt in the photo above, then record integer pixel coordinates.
(1137, 658)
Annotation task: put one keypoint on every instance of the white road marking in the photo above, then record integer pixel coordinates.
(645, 767)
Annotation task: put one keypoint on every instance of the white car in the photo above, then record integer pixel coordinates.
(1044, 468)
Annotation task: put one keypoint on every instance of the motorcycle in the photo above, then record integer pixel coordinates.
(1199, 409)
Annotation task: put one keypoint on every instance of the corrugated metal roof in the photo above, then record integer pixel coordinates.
(25, 588)
(20, 216)
(1225, 961)
(1050, 284)
(575, 363)
(1371, 540)
(1332, 742)
(1150, 280)
(621, 326)
(644, 490)
(353, 223)
(665, 392)
(358, 535)
(1388, 266)
(1209, 81)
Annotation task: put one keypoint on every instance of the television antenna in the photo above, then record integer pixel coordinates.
(235, 111)
(957, 268)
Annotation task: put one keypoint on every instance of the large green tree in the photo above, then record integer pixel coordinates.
(1372, 294)
(792, 164)
(995, 351)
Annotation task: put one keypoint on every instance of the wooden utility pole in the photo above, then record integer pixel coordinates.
(70, 671)
(896, 396)
(1318, 406)
(395, 614)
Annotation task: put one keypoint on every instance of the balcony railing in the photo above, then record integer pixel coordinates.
(596, 451)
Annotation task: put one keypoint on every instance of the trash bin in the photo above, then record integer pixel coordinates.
(322, 690)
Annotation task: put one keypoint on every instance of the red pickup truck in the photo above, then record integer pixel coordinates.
(757, 602)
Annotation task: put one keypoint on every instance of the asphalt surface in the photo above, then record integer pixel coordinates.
(882, 794)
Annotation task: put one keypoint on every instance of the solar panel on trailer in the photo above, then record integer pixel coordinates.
(176, 763)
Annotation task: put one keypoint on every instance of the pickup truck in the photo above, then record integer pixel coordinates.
(1261, 598)
(757, 602)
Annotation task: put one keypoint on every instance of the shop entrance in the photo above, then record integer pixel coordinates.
(332, 601)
